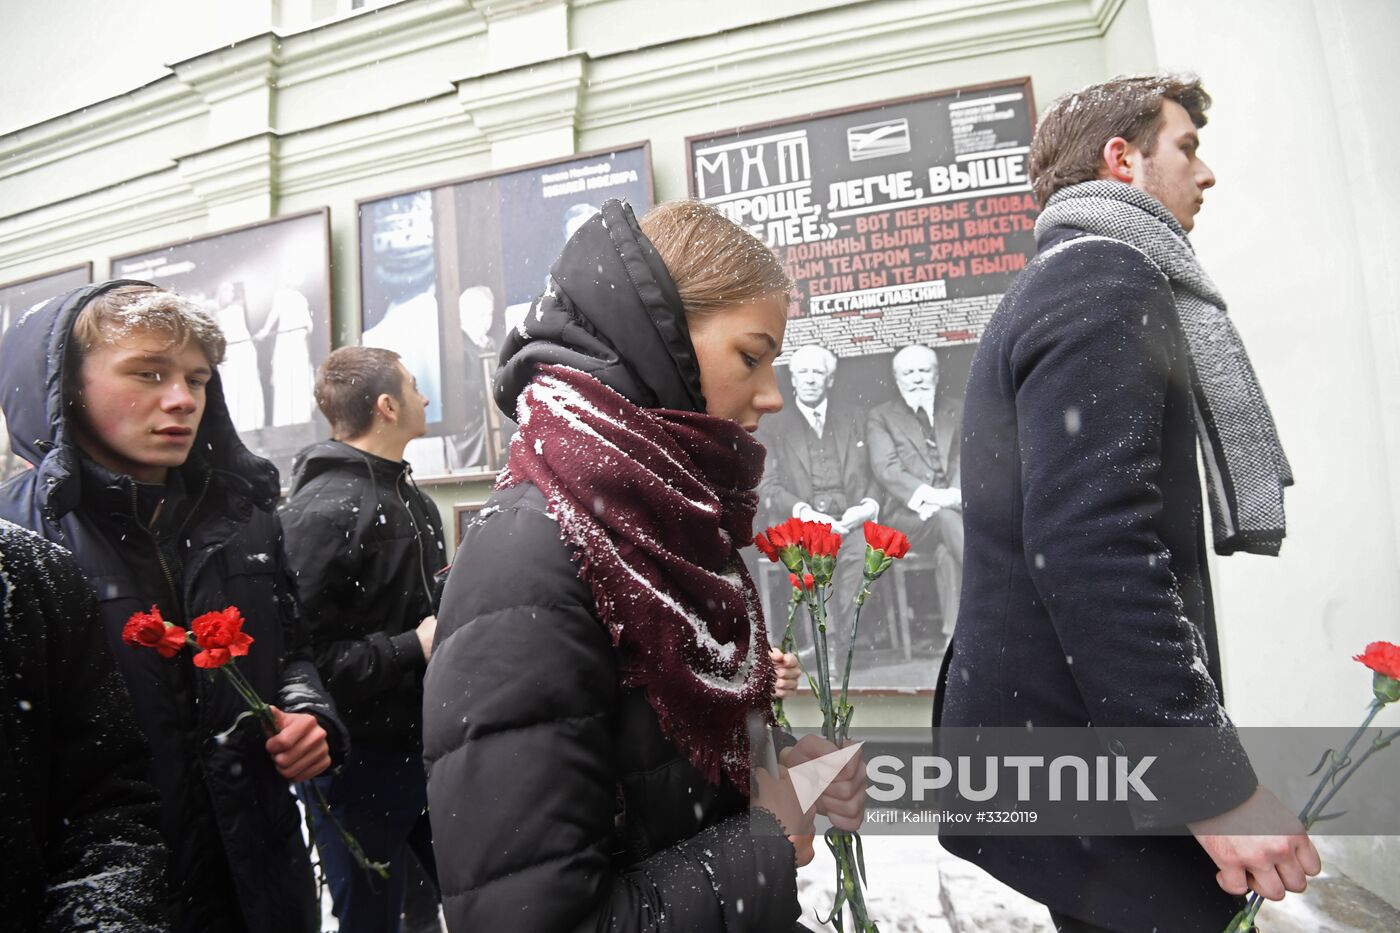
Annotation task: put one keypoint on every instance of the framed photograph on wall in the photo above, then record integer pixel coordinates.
(16, 298)
(461, 517)
(269, 286)
(902, 223)
(446, 271)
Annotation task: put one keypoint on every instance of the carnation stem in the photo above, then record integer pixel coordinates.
(264, 713)
(789, 638)
(1341, 764)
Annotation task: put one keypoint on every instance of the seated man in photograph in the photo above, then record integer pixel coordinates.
(817, 470)
(914, 454)
(112, 391)
(364, 545)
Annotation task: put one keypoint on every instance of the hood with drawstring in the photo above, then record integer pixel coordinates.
(364, 544)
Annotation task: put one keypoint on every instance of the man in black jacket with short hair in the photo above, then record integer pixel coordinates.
(112, 392)
(365, 544)
(79, 825)
(1086, 598)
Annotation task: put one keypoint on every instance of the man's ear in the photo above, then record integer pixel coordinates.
(1118, 161)
(387, 407)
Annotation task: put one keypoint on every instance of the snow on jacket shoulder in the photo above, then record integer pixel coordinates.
(556, 802)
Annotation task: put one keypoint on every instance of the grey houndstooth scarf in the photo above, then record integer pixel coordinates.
(1246, 467)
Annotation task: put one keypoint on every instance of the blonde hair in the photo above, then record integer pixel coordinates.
(714, 262)
(120, 312)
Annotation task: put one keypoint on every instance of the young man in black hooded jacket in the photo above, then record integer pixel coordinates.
(364, 544)
(112, 392)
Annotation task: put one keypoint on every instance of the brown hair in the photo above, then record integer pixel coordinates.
(713, 261)
(349, 384)
(1068, 144)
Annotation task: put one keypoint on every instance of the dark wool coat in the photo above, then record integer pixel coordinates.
(557, 804)
(79, 825)
(238, 860)
(1085, 593)
(364, 545)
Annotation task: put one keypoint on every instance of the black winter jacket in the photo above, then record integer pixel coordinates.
(80, 841)
(364, 545)
(238, 860)
(557, 804)
(1086, 598)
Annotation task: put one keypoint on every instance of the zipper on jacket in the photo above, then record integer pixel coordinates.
(417, 538)
(160, 556)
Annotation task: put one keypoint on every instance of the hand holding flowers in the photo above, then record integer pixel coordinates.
(1383, 658)
(296, 742)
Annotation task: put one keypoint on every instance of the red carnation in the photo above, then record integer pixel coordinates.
(819, 540)
(883, 538)
(144, 629)
(221, 636)
(1383, 658)
(766, 548)
(149, 630)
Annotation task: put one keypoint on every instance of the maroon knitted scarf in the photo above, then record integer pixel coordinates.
(656, 504)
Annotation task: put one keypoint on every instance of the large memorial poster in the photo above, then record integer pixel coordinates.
(269, 287)
(15, 299)
(447, 271)
(902, 224)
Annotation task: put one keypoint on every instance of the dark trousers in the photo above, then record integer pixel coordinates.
(381, 798)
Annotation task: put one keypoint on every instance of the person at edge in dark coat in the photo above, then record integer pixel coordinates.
(364, 545)
(600, 651)
(112, 392)
(1086, 598)
(79, 824)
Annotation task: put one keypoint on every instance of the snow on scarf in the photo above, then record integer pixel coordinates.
(1246, 468)
(656, 504)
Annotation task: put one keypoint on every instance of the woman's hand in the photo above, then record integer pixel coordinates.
(787, 672)
(843, 801)
(776, 795)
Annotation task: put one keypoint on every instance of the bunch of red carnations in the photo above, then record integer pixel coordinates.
(808, 550)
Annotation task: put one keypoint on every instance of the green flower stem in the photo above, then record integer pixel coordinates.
(1338, 762)
(1381, 741)
(788, 641)
(850, 654)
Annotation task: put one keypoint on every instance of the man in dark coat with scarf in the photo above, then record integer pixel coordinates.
(364, 544)
(1086, 598)
(112, 392)
(79, 824)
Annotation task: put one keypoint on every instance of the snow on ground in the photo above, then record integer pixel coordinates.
(902, 892)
